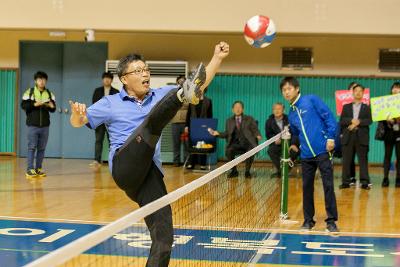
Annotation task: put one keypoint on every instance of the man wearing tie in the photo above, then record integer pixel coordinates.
(241, 132)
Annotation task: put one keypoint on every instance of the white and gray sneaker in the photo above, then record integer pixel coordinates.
(191, 87)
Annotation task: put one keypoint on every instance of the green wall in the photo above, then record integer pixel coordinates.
(7, 110)
(260, 92)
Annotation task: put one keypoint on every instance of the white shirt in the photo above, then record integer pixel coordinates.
(107, 91)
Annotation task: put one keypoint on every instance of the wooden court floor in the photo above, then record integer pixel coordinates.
(76, 193)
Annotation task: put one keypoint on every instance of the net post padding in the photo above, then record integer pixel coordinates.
(88, 241)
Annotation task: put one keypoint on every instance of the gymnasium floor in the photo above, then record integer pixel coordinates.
(38, 216)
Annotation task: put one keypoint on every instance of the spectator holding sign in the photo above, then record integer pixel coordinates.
(391, 138)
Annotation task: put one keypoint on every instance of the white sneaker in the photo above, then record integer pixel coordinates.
(191, 87)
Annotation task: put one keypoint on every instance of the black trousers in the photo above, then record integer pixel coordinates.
(349, 150)
(325, 166)
(389, 146)
(197, 159)
(135, 172)
(274, 152)
(177, 130)
(353, 167)
(236, 149)
(98, 149)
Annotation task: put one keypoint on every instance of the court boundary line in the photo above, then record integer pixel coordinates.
(221, 228)
(35, 219)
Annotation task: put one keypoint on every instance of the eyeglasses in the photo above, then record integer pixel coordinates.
(139, 71)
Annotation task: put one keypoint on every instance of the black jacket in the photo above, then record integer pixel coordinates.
(99, 93)
(37, 116)
(205, 106)
(362, 131)
(390, 135)
(249, 130)
(272, 128)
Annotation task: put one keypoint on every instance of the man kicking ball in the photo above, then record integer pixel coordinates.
(135, 119)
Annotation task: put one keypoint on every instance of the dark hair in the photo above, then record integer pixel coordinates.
(351, 85)
(358, 85)
(40, 75)
(395, 85)
(180, 77)
(107, 74)
(291, 81)
(125, 61)
(238, 102)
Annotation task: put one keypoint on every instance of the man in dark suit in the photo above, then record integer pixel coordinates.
(201, 110)
(355, 121)
(99, 92)
(273, 126)
(242, 135)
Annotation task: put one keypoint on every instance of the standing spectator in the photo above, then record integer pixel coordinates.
(355, 120)
(273, 126)
(242, 133)
(353, 164)
(392, 140)
(101, 130)
(178, 127)
(314, 125)
(37, 102)
(202, 110)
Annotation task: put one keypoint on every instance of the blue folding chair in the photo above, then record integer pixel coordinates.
(198, 131)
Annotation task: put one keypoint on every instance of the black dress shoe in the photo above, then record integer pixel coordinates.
(385, 182)
(353, 181)
(308, 225)
(344, 186)
(233, 174)
(331, 227)
(366, 186)
(189, 167)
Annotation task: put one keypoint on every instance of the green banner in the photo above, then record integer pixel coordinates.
(385, 107)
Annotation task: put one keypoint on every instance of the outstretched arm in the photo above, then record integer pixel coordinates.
(221, 51)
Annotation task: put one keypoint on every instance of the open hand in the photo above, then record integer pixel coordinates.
(355, 122)
(49, 104)
(351, 127)
(38, 103)
(294, 148)
(77, 109)
(213, 132)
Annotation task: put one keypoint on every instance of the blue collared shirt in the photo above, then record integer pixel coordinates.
(122, 115)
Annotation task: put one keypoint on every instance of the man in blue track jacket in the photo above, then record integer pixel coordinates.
(315, 126)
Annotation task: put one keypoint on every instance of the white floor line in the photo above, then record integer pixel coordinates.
(312, 232)
(256, 258)
(269, 230)
(51, 220)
